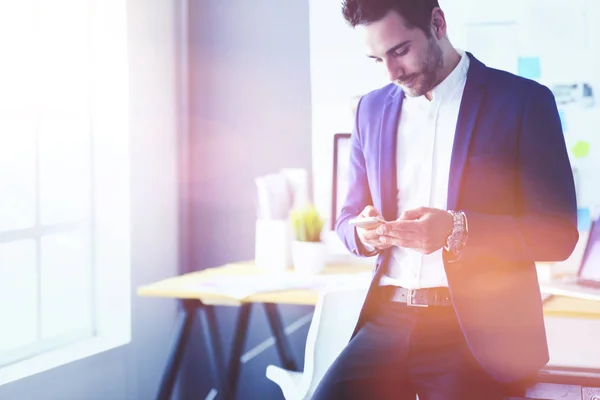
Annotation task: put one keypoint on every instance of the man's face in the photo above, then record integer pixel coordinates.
(412, 60)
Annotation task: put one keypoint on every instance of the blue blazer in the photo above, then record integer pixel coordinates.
(510, 173)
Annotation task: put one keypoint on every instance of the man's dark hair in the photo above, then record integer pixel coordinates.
(417, 13)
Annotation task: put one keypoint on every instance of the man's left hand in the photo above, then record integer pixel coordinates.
(423, 229)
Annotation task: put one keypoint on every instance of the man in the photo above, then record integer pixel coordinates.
(468, 167)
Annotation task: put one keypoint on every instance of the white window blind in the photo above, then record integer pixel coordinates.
(64, 217)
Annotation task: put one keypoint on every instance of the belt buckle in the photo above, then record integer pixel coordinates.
(410, 297)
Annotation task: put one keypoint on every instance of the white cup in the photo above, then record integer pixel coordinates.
(272, 249)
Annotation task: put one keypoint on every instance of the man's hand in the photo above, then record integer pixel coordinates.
(423, 229)
(370, 237)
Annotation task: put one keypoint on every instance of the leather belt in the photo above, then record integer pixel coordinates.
(438, 296)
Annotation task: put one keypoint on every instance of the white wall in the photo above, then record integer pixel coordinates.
(249, 116)
(340, 71)
(155, 30)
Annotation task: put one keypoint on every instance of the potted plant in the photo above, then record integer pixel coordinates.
(309, 253)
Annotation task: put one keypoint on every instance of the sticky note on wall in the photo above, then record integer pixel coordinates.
(583, 219)
(529, 67)
(581, 149)
(563, 122)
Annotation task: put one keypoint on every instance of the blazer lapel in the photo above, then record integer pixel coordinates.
(387, 155)
(467, 116)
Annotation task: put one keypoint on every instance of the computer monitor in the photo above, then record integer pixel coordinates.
(589, 273)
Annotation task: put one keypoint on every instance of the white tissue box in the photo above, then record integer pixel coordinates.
(272, 250)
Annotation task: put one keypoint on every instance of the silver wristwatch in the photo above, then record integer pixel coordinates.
(458, 238)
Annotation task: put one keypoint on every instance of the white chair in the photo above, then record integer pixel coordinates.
(332, 325)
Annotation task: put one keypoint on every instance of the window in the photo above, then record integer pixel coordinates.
(64, 188)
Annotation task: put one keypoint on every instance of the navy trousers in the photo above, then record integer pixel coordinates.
(403, 351)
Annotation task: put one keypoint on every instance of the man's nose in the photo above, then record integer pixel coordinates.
(393, 69)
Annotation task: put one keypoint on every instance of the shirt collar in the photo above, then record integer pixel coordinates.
(445, 88)
(456, 78)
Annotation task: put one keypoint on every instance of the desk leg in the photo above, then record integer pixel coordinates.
(182, 334)
(281, 341)
(214, 351)
(241, 331)
(225, 379)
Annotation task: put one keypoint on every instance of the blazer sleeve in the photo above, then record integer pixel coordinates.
(359, 195)
(545, 229)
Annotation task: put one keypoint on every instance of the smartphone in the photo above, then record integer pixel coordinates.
(366, 222)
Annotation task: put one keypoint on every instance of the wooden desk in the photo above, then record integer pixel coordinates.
(182, 287)
(193, 301)
(185, 288)
(568, 307)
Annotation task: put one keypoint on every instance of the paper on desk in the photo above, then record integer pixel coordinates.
(278, 192)
(297, 179)
(274, 197)
(238, 287)
(241, 287)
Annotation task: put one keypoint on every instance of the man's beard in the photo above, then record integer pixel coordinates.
(433, 62)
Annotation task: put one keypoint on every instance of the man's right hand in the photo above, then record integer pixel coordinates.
(370, 237)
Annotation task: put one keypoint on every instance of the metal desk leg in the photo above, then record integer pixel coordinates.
(214, 351)
(241, 331)
(281, 341)
(182, 334)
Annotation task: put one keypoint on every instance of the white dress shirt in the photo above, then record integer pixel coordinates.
(423, 152)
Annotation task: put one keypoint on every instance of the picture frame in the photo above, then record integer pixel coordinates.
(341, 164)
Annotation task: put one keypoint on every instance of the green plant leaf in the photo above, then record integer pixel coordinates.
(307, 224)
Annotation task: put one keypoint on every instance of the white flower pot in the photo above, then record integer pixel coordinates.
(309, 257)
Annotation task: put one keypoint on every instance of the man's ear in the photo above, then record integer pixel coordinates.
(438, 22)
